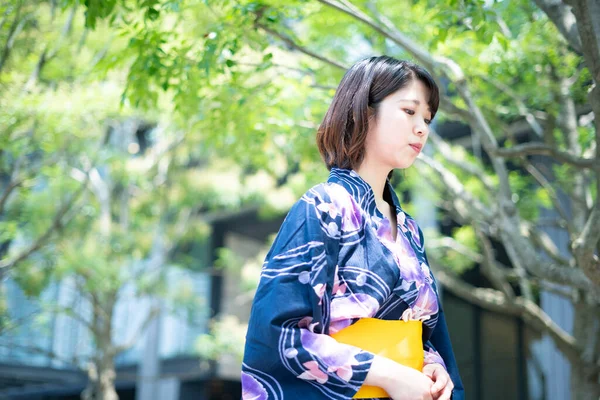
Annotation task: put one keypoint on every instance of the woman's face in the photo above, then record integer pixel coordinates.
(402, 124)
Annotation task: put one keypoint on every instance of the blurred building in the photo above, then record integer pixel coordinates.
(37, 356)
(42, 352)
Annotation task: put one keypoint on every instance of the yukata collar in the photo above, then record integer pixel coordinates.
(361, 190)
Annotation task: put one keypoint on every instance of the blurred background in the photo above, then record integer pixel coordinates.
(150, 149)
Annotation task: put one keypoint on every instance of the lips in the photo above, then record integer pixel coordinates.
(417, 147)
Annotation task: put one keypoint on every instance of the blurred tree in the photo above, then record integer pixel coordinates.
(92, 191)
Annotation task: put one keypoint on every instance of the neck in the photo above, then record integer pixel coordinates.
(376, 177)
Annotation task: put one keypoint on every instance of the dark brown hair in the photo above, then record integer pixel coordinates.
(341, 136)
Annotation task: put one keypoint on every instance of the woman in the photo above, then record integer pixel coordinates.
(347, 251)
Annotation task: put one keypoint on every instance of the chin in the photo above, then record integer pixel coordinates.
(404, 164)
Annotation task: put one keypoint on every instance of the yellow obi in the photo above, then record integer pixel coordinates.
(397, 340)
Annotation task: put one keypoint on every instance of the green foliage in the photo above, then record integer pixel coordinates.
(226, 336)
(453, 257)
(76, 117)
(227, 258)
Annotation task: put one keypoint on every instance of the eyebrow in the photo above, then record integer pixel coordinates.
(417, 102)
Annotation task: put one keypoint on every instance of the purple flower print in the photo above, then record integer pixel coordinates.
(401, 217)
(252, 389)
(424, 307)
(402, 250)
(319, 289)
(328, 208)
(336, 326)
(426, 273)
(333, 354)
(344, 372)
(427, 300)
(407, 260)
(360, 305)
(345, 204)
(431, 357)
(384, 229)
(307, 323)
(313, 372)
(414, 230)
(407, 224)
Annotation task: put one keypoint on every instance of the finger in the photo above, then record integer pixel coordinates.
(441, 381)
(429, 371)
(443, 395)
(446, 394)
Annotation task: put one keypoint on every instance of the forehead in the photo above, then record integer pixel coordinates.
(415, 90)
(414, 94)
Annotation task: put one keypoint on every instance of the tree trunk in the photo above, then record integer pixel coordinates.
(101, 381)
(101, 373)
(106, 381)
(585, 384)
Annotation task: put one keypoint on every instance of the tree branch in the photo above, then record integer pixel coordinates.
(584, 247)
(463, 201)
(543, 269)
(543, 240)
(561, 15)
(12, 184)
(541, 179)
(452, 110)
(46, 56)
(527, 149)
(153, 313)
(287, 40)
(424, 57)
(489, 268)
(429, 61)
(451, 244)
(518, 265)
(71, 313)
(4, 18)
(523, 109)
(495, 301)
(31, 349)
(444, 148)
(15, 28)
(57, 222)
(587, 13)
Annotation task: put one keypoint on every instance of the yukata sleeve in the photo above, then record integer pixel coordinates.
(287, 337)
(431, 355)
(440, 343)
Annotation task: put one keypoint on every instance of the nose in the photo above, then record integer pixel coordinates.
(420, 128)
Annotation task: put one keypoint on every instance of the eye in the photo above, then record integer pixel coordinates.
(411, 112)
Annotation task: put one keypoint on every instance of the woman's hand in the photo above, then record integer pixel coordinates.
(399, 381)
(442, 384)
(410, 385)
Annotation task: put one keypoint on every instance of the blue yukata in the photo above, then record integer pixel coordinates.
(333, 262)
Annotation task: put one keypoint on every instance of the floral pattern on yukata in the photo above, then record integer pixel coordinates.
(333, 262)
